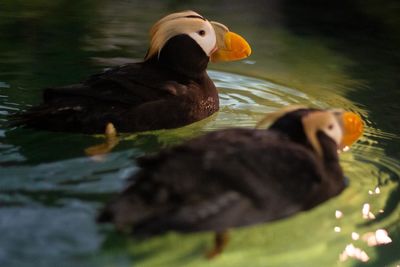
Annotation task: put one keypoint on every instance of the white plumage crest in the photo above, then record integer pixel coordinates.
(187, 22)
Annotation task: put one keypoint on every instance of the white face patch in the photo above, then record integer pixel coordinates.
(204, 35)
(189, 23)
(324, 121)
(332, 129)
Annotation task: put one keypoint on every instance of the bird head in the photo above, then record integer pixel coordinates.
(214, 39)
(308, 125)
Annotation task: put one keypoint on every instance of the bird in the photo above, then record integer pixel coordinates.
(170, 88)
(237, 177)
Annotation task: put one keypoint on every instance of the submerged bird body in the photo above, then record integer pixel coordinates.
(170, 88)
(230, 178)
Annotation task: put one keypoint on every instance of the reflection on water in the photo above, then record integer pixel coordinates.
(50, 191)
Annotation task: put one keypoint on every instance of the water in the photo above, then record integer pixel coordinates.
(50, 191)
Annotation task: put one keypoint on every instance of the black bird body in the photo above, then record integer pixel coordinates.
(169, 89)
(229, 178)
(134, 97)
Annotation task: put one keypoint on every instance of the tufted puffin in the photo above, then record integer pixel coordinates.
(237, 177)
(169, 89)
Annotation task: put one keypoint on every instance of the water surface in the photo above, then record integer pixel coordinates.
(336, 55)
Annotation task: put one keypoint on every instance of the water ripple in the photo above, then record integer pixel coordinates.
(244, 100)
(237, 89)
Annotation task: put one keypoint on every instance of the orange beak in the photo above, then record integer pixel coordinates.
(230, 47)
(353, 128)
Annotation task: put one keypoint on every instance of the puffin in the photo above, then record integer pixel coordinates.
(237, 177)
(170, 88)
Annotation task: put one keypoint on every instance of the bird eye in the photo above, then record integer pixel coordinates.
(201, 32)
(330, 126)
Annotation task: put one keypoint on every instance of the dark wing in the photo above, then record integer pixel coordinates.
(224, 179)
(106, 97)
(130, 84)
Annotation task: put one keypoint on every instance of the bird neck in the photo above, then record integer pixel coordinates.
(331, 160)
(332, 180)
(293, 128)
(181, 54)
(329, 148)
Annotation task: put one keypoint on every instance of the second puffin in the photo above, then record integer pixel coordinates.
(169, 89)
(237, 177)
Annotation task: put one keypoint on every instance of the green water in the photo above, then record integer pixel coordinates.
(331, 54)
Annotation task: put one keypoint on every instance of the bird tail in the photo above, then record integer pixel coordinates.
(30, 117)
(40, 117)
(59, 111)
(127, 210)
